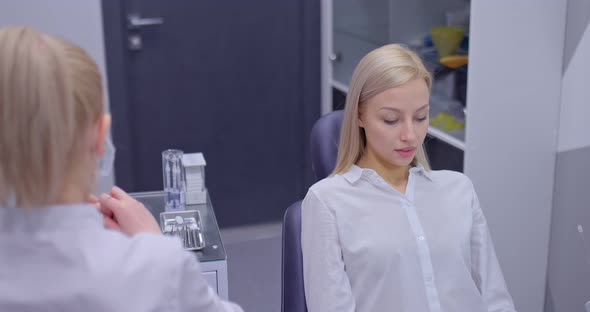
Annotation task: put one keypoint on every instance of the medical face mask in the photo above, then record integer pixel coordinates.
(106, 162)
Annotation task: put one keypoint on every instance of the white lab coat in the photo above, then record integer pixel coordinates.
(61, 258)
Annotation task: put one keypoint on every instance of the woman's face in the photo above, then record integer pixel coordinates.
(396, 122)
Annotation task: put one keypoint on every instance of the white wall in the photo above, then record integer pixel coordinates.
(74, 20)
(515, 70)
(574, 131)
(568, 285)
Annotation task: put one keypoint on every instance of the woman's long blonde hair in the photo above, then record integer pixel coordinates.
(384, 68)
(50, 96)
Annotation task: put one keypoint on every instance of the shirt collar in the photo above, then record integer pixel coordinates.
(421, 170)
(354, 173)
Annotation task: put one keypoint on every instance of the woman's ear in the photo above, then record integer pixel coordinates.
(360, 119)
(102, 127)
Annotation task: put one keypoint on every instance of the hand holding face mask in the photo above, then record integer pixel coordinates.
(123, 213)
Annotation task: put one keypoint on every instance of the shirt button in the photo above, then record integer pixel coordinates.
(428, 279)
(421, 238)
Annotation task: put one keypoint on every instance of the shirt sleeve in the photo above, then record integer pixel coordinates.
(327, 287)
(486, 270)
(194, 294)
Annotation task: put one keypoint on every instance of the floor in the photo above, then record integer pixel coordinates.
(254, 266)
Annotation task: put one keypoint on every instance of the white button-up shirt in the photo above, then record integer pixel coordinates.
(368, 247)
(60, 258)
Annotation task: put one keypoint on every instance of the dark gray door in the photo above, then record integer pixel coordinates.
(237, 80)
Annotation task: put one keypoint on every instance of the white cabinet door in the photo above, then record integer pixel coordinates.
(211, 278)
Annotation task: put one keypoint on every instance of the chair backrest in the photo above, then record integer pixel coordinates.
(325, 136)
(292, 293)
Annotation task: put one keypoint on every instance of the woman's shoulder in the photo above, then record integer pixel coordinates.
(329, 185)
(333, 193)
(143, 251)
(146, 266)
(449, 178)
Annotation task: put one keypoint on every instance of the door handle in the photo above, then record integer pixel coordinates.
(135, 21)
(335, 56)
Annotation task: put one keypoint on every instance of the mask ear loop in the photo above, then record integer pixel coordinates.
(106, 162)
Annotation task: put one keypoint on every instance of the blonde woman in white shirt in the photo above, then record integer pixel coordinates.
(384, 232)
(56, 253)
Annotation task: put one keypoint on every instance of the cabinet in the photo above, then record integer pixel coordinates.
(212, 258)
(358, 27)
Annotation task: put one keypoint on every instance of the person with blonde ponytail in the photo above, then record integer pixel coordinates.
(384, 232)
(63, 249)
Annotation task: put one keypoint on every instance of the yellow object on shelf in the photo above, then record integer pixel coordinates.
(446, 122)
(454, 61)
(446, 39)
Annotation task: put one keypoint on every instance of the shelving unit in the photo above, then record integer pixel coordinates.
(339, 86)
(358, 28)
(451, 139)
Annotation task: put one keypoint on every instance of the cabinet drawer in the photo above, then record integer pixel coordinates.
(211, 278)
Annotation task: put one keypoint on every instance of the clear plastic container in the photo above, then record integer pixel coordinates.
(174, 179)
